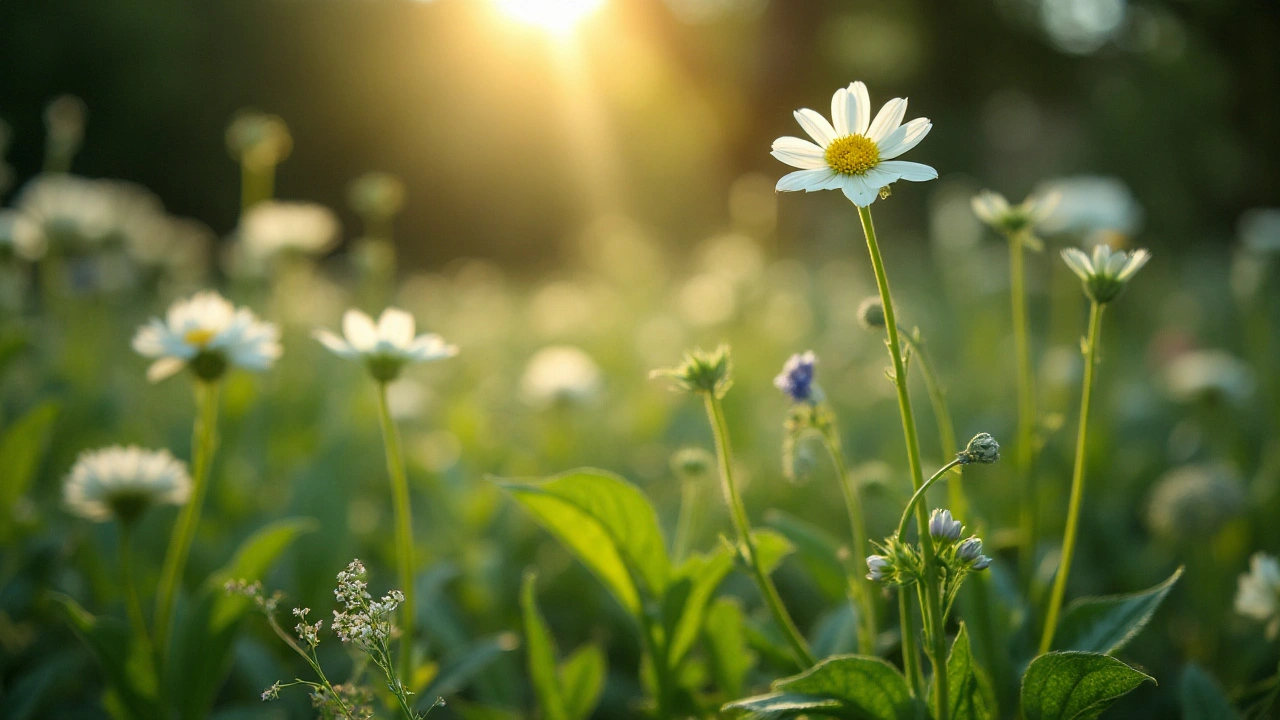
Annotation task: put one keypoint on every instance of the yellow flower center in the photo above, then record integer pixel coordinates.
(852, 154)
(199, 337)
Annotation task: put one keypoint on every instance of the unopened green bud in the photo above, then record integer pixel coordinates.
(871, 313)
(702, 372)
(981, 449)
(692, 463)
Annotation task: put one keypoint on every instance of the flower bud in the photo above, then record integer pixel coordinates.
(981, 449)
(982, 563)
(871, 313)
(692, 463)
(943, 527)
(880, 566)
(702, 372)
(970, 550)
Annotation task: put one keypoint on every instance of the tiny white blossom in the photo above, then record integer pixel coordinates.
(854, 153)
(208, 333)
(122, 482)
(387, 346)
(560, 373)
(1258, 593)
(1106, 272)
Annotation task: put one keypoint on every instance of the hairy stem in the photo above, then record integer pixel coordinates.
(403, 531)
(1077, 482)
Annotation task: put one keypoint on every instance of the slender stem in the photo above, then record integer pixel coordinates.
(910, 651)
(1077, 482)
(204, 443)
(863, 591)
(1025, 447)
(738, 513)
(404, 530)
(256, 185)
(913, 450)
(685, 522)
(915, 498)
(132, 604)
(956, 500)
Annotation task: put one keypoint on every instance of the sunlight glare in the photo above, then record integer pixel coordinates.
(558, 17)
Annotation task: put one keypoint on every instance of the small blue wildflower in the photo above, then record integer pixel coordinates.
(797, 378)
(970, 550)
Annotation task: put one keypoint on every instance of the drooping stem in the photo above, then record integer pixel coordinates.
(913, 456)
(133, 606)
(204, 443)
(915, 498)
(956, 500)
(863, 591)
(1077, 482)
(1025, 450)
(738, 514)
(686, 520)
(404, 530)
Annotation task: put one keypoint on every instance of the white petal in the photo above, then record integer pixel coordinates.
(904, 138)
(798, 153)
(859, 108)
(807, 180)
(859, 191)
(888, 119)
(913, 171)
(840, 113)
(817, 126)
(335, 344)
(395, 326)
(163, 368)
(1078, 262)
(359, 330)
(430, 347)
(989, 206)
(1136, 261)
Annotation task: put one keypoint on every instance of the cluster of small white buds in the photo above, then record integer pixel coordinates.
(253, 591)
(308, 633)
(272, 693)
(364, 622)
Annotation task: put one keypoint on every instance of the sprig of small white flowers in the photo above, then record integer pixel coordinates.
(853, 153)
(208, 334)
(385, 347)
(123, 482)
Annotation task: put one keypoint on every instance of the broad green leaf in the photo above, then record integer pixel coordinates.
(608, 524)
(201, 652)
(772, 547)
(1201, 698)
(836, 631)
(970, 693)
(704, 574)
(21, 448)
(541, 650)
(1107, 624)
(1075, 685)
(133, 689)
(726, 643)
(819, 552)
(582, 681)
(866, 687)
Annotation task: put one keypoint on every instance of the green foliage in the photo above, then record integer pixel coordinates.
(971, 695)
(850, 686)
(725, 636)
(1075, 685)
(22, 446)
(568, 691)
(132, 684)
(1107, 624)
(1201, 698)
(818, 551)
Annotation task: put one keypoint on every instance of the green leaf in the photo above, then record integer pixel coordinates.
(608, 524)
(1107, 624)
(133, 689)
(772, 548)
(1075, 685)
(704, 574)
(782, 705)
(1201, 698)
(541, 650)
(867, 687)
(819, 552)
(726, 643)
(582, 681)
(21, 448)
(465, 665)
(201, 652)
(970, 692)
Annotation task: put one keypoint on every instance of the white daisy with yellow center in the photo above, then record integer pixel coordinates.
(388, 345)
(209, 334)
(853, 153)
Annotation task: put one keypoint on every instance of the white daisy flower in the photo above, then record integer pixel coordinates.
(122, 482)
(82, 214)
(993, 209)
(272, 228)
(1106, 273)
(1092, 206)
(388, 345)
(21, 237)
(853, 152)
(560, 373)
(1258, 593)
(209, 334)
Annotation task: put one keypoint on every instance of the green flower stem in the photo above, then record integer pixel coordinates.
(1077, 482)
(204, 443)
(738, 513)
(685, 521)
(133, 606)
(933, 612)
(915, 499)
(404, 530)
(1025, 447)
(956, 500)
(863, 592)
(910, 651)
(256, 185)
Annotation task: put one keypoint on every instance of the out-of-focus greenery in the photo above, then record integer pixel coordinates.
(507, 250)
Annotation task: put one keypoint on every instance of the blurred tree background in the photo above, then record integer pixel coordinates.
(511, 139)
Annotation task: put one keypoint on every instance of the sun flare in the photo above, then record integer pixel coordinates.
(558, 17)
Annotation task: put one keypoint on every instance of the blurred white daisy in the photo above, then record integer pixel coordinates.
(1106, 272)
(82, 214)
(209, 334)
(1209, 374)
(993, 209)
(1258, 592)
(20, 237)
(122, 482)
(853, 152)
(560, 373)
(273, 228)
(1091, 206)
(388, 345)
